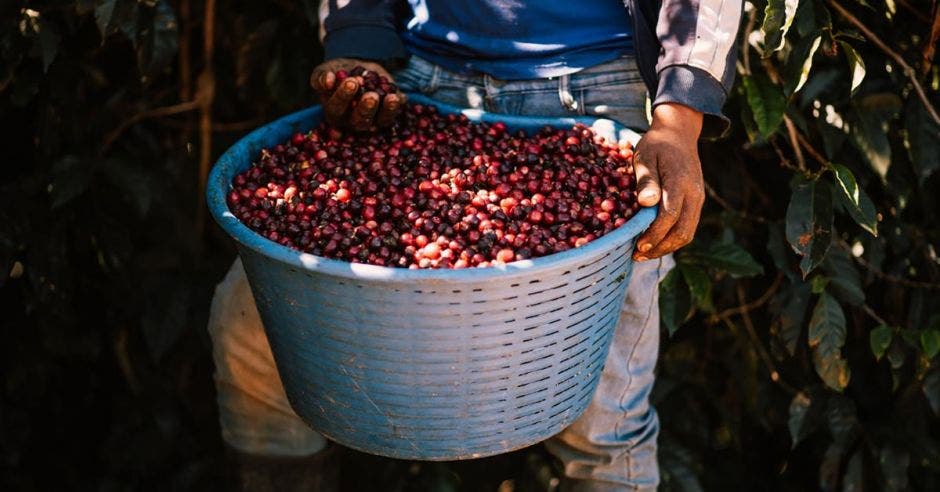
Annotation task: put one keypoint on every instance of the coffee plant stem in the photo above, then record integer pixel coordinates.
(887, 276)
(808, 147)
(763, 354)
(930, 44)
(756, 303)
(182, 107)
(727, 206)
(794, 142)
(908, 70)
(205, 95)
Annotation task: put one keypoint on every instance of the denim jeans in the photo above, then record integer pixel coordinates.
(612, 446)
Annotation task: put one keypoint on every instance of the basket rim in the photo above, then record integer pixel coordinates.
(220, 181)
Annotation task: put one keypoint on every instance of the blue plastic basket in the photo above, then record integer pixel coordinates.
(433, 364)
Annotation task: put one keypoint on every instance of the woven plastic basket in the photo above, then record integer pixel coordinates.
(433, 364)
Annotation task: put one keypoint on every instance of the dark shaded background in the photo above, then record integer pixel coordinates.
(112, 111)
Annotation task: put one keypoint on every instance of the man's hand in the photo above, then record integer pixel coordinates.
(369, 112)
(669, 172)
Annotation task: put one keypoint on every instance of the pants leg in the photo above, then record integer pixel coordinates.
(254, 413)
(612, 446)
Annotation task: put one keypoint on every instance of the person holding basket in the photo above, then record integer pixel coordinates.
(663, 68)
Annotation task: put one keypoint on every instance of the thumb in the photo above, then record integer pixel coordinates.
(648, 190)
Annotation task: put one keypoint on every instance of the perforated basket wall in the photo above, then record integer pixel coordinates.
(435, 365)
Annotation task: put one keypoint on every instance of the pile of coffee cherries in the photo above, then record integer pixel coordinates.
(437, 191)
(370, 81)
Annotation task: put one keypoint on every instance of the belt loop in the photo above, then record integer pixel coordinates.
(435, 78)
(564, 94)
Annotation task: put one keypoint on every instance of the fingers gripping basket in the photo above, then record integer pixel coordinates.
(433, 364)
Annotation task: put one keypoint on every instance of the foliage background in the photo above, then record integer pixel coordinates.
(803, 349)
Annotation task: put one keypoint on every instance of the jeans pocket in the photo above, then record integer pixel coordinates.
(624, 102)
(417, 76)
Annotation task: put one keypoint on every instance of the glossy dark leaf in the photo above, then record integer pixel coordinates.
(842, 419)
(804, 418)
(854, 199)
(49, 44)
(809, 221)
(830, 467)
(727, 257)
(675, 301)
(700, 285)
(826, 337)
(104, 10)
(930, 342)
(158, 39)
(778, 17)
(854, 478)
(894, 463)
(844, 280)
(806, 54)
(923, 139)
(779, 251)
(856, 64)
(931, 390)
(766, 102)
(869, 130)
(879, 339)
(133, 183)
(790, 306)
(70, 179)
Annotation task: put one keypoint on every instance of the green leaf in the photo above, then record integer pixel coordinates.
(931, 390)
(855, 63)
(809, 221)
(930, 342)
(826, 338)
(830, 467)
(790, 307)
(727, 257)
(922, 138)
(49, 43)
(894, 462)
(104, 10)
(854, 478)
(870, 127)
(856, 201)
(766, 102)
(675, 301)
(158, 40)
(802, 421)
(819, 283)
(807, 65)
(844, 280)
(842, 418)
(700, 286)
(70, 179)
(778, 17)
(879, 339)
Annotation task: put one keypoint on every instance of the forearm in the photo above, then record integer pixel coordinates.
(361, 29)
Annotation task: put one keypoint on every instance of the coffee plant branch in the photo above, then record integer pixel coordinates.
(205, 87)
(931, 45)
(756, 303)
(794, 142)
(916, 284)
(763, 354)
(908, 70)
(811, 150)
(150, 113)
(710, 191)
(873, 315)
(185, 62)
(914, 11)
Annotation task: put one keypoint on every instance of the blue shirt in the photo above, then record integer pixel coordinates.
(518, 39)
